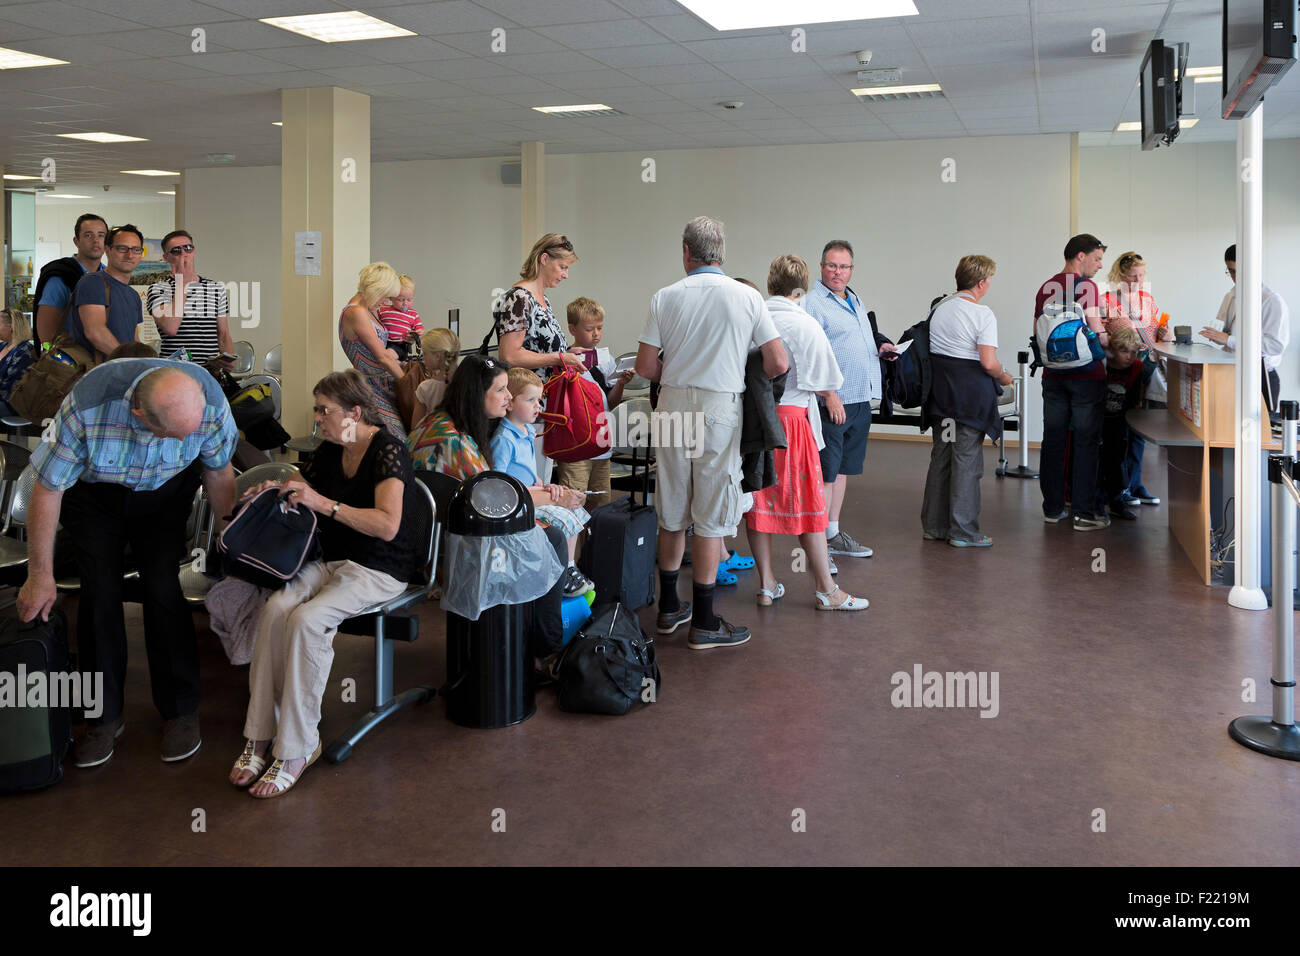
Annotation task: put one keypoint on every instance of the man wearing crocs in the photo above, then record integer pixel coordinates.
(846, 416)
(704, 325)
(130, 442)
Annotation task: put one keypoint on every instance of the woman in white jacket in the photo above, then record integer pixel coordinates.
(796, 504)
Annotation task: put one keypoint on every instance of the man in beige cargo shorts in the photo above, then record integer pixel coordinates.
(696, 340)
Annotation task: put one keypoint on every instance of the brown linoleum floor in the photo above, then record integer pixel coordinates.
(1115, 691)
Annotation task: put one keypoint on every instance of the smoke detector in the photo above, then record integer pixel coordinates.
(732, 104)
(864, 57)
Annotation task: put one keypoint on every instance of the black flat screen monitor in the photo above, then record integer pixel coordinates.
(1259, 46)
(1159, 104)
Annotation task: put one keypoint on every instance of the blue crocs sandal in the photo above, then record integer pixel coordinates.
(725, 576)
(737, 562)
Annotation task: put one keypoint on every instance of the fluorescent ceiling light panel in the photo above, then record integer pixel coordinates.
(16, 176)
(166, 192)
(149, 172)
(1134, 127)
(341, 27)
(580, 108)
(18, 60)
(751, 14)
(277, 123)
(105, 137)
(898, 90)
(64, 196)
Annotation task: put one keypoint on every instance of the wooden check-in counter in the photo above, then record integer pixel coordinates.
(1194, 431)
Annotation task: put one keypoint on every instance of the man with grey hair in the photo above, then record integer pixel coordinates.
(695, 344)
(121, 471)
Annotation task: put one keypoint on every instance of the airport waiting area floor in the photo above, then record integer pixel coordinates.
(1109, 744)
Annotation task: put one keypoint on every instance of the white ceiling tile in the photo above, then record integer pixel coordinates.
(658, 54)
(231, 64)
(436, 90)
(464, 67)
(761, 69)
(407, 51)
(730, 48)
(683, 26)
(978, 32)
(559, 61)
(518, 41)
(447, 16)
(594, 36)
(1005, 51)
(791, 84)
(592, 80)
(538, 13)
(65, 19)
(682, 73)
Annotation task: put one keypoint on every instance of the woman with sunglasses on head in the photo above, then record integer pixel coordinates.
(371, 517)
(1128, 304)
(526, 328)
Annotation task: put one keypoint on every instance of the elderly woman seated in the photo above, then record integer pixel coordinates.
(360, 485)
(456, 440)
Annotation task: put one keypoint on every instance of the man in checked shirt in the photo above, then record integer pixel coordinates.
(130, 442)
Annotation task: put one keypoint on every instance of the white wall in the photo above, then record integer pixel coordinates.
(55, 221)
(1177, 207)
(451, 225)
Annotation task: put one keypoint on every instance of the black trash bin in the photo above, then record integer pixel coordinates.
(489, 673)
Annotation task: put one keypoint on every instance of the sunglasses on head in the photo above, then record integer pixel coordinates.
(564, 244)
(187, 247)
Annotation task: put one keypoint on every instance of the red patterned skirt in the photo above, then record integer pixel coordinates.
(796, 503)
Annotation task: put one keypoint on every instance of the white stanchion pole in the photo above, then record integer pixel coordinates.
(1246, 592)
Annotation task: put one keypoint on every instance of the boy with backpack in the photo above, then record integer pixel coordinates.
(1067, 324)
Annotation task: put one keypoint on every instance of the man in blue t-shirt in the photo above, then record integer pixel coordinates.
(106, 310)
(54, 291)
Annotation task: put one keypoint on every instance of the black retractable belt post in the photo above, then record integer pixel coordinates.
(1278, 736)
(1022, 422)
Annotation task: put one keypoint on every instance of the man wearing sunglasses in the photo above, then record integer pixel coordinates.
(106, 311)
(193, 313)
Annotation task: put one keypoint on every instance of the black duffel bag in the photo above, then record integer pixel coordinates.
(609, 665)
(269, 540)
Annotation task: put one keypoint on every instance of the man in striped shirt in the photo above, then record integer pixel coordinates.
(132, 440)
(192, 312)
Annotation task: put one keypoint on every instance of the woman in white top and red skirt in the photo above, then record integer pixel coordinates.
(796, 504)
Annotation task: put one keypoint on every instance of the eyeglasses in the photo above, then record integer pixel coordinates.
(129, 250)
(324, 410)
(1128, 261)
(832, 267)
(175, 249)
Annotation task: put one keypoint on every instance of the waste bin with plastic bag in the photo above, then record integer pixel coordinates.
(498, 562)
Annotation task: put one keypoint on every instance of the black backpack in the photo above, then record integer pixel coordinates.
(909, 376)
(609, 666)
(69, 270)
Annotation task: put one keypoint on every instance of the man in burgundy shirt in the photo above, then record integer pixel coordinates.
(1074, 396)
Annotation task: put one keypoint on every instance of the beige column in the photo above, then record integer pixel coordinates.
(533, 194)
(1074, 184)
(178, 203)
(324, 187)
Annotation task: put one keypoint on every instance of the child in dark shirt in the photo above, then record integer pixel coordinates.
(1128, 370)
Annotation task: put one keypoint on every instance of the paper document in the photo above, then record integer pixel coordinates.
(900, 349)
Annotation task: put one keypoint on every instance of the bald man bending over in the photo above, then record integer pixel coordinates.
(130, 442)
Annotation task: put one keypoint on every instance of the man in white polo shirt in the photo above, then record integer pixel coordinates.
(695, 344)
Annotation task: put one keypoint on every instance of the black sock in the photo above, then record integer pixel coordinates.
(702, 614)
(668, 599)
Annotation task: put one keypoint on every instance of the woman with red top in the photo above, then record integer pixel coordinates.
(1129, 305)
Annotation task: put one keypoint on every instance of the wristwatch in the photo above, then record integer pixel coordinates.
(334, 512)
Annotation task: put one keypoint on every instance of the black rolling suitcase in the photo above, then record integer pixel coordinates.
(621, 547)
(33, 739)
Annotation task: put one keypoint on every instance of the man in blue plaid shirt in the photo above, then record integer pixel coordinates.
(129, 443)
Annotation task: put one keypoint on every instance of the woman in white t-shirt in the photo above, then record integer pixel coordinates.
(796, 503)
(962, 407)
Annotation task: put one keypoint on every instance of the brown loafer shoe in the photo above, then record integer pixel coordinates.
(181, 737)
(669, 621)
(95, 746)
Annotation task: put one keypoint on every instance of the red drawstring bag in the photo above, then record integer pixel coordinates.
(575, 412)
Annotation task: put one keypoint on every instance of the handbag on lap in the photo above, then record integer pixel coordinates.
(269, 540)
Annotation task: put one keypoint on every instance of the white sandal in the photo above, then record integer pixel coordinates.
(850, 603)
(282, 779)
(766, 597)
(252, 761)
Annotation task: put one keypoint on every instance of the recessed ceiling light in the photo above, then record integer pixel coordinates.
(16, 176)
(149, 172)
(1133, 127)
(166, 192)
(579, 108)
(914, 92)
(18, 60)
(341, 27)
(277, 123)
(1187, 122)
(730, 15)
(104, 137)
(64, 196)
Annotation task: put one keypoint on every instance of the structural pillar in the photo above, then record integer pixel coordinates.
(533, 195)
(324, 188)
